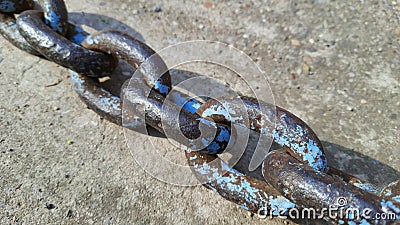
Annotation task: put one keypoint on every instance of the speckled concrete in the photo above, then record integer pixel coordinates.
(335, 64)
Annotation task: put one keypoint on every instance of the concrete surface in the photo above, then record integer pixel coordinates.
(335, 64)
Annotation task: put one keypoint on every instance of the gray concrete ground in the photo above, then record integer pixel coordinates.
(335, 64)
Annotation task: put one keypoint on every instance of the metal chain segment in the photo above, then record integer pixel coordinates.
(55, 12)
(9, 30)
(301, 184)
(251, 194)
(62, 51)
(56, 15)
(285, 128)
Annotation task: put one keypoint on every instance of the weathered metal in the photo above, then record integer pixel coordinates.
(299, 183)
(285, 128)
(55, 15)
(62, 51)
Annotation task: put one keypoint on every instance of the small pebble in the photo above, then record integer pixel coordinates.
(56, 108)
(50, 206)
(246, 5)
(363, 101)
(70, 213)
(307, 59)
(311, 49)
(158, 8)
(208, 4)
(349, 108)
(306, 69)
(295, 43)
(292, 76)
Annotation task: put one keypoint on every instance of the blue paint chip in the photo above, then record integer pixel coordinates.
(163, 89)
(80, 36)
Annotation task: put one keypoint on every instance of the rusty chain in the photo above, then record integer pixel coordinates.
(296, 177)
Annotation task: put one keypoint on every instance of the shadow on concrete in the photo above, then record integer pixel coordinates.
(101, 22)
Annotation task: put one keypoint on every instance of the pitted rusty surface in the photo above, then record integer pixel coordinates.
(301, 184)
(9, 30)
(285, 128)
(55, 15)
(149, 109)
(62, 51)
(392, 192)
(249, 193)
(100, 100)
(135, 53)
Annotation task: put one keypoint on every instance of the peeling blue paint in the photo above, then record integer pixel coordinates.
(52, 18)
(396, 198)
(207, 122)
(388, 192)
(364, 222)
(308, 151)
(223, 109)
(193, 158)
(91, 41)
(224, 135)
(213, 148)
(163, 89)
(191, 105)
(244, 206)
(280, 204)
(80, 36)
(390, 205)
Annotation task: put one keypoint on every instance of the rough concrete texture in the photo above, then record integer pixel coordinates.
(335, 64)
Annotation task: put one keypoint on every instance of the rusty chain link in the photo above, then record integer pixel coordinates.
(296, 177)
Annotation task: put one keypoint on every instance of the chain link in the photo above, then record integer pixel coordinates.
(296, 177)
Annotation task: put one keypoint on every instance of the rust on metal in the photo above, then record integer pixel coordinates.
(249, 193)
(9, 30)
(55, 15)
(285, 128)
(135, 53)
(301, 184)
